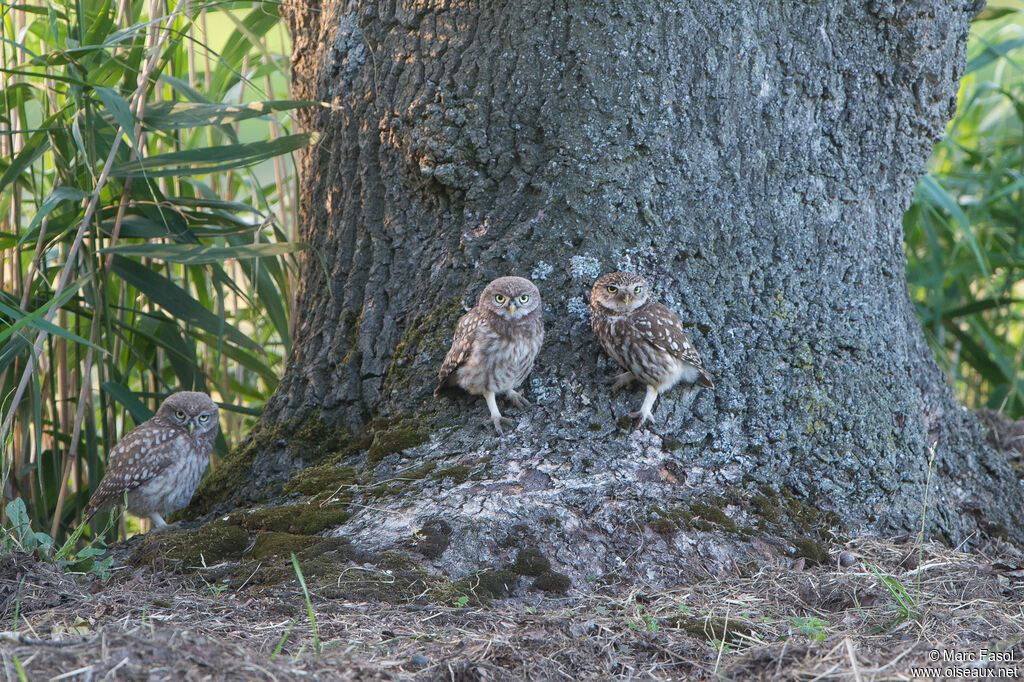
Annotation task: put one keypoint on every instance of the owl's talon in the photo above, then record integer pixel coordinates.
(497, 423)
(517, 399)
(639, 418)
(644, 413)
(621, 380)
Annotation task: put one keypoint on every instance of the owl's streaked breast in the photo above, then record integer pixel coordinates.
(172, 488)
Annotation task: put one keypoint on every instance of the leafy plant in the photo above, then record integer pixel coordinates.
(965, 228)
(146, 228)
(18, 536)
(903, 602)
(813, 628)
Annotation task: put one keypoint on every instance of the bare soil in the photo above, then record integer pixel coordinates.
(894, 608)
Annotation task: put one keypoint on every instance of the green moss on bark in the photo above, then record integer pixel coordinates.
(814, 552)
(707, 513)
(553, 582)
(434, 538)
(309, 438)
(275, 544)
(530, 561)
(182, 549)
(305, 518)
(494, 584)
(396, 440)
(431, 330)
(323, 478)
(458, 473)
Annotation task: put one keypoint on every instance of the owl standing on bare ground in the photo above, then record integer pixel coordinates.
(495, 344)
(645, 337)
(159, 463)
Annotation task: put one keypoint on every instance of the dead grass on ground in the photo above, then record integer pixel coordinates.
(876, 619)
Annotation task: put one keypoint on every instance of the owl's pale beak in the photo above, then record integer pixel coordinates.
(626, 299)
(512, 308)
(191, 428)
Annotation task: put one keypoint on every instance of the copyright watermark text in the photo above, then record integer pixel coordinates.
(981, 664)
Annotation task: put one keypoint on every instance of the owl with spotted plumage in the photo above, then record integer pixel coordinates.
(495, 344)
(157, 465)
(645, 337)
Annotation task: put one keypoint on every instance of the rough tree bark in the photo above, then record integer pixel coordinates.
(752, 159)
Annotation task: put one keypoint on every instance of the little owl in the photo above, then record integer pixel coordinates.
(159, 463)
(644, 337)
(495, 344)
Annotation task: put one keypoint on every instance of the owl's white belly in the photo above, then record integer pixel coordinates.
(678, 370)
(171, 489)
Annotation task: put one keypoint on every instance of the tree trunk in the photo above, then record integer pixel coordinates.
(752, 160)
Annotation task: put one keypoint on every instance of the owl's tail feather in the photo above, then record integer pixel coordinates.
(97, 502)
(444, 383)
(704, 380)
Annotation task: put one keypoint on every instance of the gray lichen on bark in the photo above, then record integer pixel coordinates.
(752, 159)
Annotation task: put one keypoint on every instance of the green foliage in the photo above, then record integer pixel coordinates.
(284, 638)
(903, 603)
(813, 628)
(18, 536)
(965, 228)
(309, 606)
(146, 229)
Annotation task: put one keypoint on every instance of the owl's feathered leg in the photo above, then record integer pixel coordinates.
(621, 380)
(496, 417)
(517, 399)
(644, 413)
(158, 521)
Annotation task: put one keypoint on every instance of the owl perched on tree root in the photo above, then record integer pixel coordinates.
(644, 337)
(495, 344)
(159, 463)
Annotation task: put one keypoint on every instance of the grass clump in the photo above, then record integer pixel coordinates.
(309, 605)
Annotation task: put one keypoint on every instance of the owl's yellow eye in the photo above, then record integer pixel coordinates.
(638, 290)
(180, 414)
(500, 299)
(204, 418)
(612, 290)
(524, 298)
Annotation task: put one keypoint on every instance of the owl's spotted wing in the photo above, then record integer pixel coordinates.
(142, 454)
(657, 325)
(462, 346)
